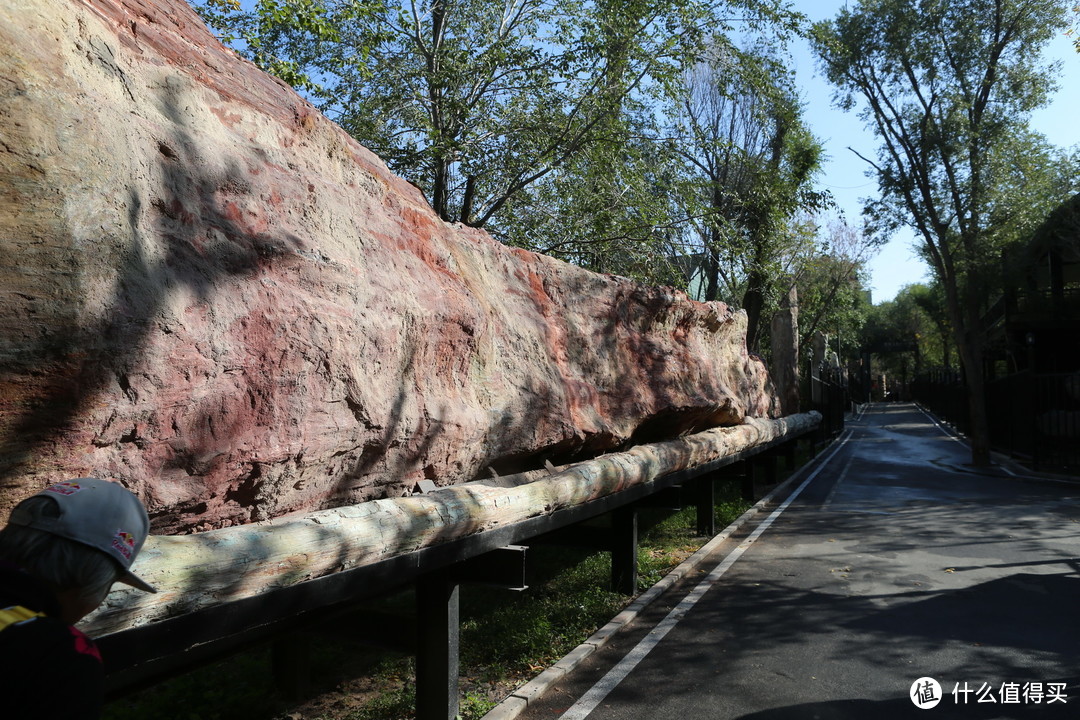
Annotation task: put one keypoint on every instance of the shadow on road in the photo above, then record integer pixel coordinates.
(904, 708)
(1024, 611)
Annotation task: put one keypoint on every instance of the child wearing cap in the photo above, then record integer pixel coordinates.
(59, 555)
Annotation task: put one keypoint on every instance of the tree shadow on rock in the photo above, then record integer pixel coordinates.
(203, 244)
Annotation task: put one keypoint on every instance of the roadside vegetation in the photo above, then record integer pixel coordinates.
(948, 89)
(506, 639)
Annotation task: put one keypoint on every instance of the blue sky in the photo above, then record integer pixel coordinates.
(896, 264)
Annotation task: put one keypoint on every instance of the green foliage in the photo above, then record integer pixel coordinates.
(474, 706)
(538, 119)
(472, 100)
(916, 316)
(748, 165)
(835, 302)
(948, 86)
(395, 704)
(672, 540)
(610, 208)
(271, 34)
(1072, 30)
(832, 287)
(934, 331)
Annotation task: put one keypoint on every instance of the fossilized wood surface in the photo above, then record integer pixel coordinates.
(192, 572)
(213, 294)
(784, 337)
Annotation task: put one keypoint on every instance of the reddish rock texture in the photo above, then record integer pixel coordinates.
(210, 292)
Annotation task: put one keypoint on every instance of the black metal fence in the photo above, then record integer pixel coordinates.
(829, 396)
(1033, 417)
(944, 393)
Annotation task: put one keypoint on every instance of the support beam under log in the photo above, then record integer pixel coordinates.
(438, 610)
(624, 529)
(705, 499)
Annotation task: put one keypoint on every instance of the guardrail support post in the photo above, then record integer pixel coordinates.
(791, 447)
(749, 468)
(438, 605)
(767, 461)
(624, 530)
(291, 664)
(705, 497)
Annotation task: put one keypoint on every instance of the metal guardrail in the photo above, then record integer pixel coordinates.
(944, 393)
(830, 396)
(1037, 416)
(142, 655)
(1064, 302)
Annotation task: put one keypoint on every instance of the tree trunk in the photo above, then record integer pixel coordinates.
(970, 340)
(440, 171)
(784, 341)
(712, 274)
(754, 304)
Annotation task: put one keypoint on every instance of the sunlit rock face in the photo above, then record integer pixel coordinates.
(213, 294)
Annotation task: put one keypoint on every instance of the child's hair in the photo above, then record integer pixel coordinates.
(61, 563)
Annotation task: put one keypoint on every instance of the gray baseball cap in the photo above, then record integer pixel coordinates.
(100, 513)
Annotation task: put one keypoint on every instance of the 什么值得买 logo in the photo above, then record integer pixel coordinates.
(925, 693)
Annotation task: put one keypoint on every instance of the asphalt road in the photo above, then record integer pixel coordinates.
(894, 562)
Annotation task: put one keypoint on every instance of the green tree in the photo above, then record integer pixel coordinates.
(1072, 30)
(934, 336)
(948, 86)
(610, 208)
(477, 101)
(890, 335)
(909, 333)
(832, 286)
(750, 161)
(287, 38)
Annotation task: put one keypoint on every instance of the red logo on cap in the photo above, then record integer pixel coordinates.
(124, 543)
(65, 488)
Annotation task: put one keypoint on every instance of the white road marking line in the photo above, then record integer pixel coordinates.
(951, 436)
(596, 694)
(939, 426)
(843, 474)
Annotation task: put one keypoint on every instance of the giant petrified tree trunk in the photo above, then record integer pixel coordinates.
(784, 337)
(213, 294)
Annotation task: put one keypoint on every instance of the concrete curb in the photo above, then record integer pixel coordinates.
(515, 703)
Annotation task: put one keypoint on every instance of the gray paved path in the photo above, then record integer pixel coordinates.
(895, 562)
